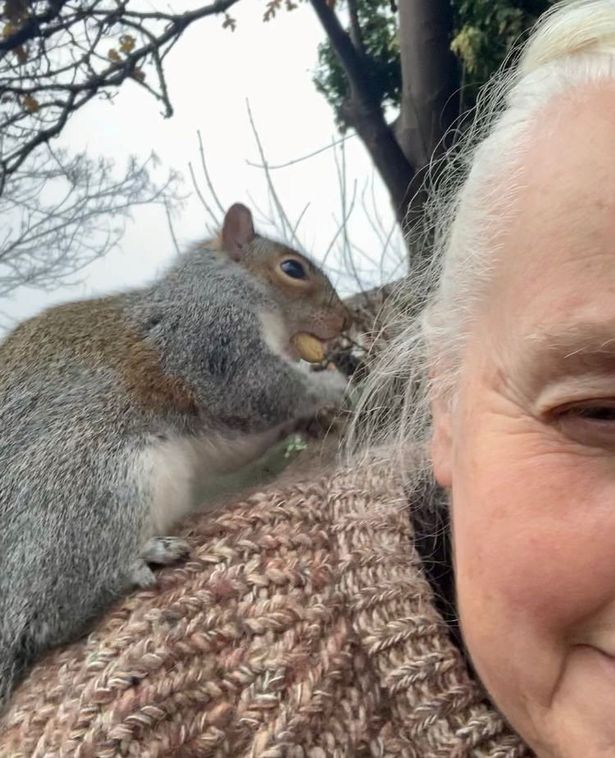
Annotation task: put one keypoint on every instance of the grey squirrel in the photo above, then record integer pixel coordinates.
(112, 409)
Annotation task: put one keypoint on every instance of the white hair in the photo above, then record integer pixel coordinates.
(573, 44)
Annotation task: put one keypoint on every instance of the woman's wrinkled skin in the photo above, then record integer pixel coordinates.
(528, 448)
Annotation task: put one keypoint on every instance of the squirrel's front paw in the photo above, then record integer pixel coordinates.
(333, 386)
(160, 551)
(165, 550)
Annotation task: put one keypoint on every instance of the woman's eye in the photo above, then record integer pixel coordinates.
(587, 424)
(590, 412)
(293, 268)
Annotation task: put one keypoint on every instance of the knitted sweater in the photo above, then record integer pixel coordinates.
(301, 626)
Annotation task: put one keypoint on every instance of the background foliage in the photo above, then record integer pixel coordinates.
(378, 21)
(485, 31)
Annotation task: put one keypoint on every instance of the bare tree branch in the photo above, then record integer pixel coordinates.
(60, 213)
(57, 55)
(281, 213)
(169, 215)
(363, 110)
(207, 176)
(215, 220)
(330, 146)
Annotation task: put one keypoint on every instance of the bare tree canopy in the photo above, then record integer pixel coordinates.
(57, 55)
(61, 211)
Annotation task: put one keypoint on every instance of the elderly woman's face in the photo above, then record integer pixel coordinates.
(528, 450)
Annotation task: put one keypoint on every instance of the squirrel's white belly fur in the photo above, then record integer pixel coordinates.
(177, 468)
(183, 467)
(181, 471)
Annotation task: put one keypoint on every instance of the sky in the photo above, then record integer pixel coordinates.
(212, 75)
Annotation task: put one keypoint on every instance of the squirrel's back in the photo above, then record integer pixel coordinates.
(90, 338)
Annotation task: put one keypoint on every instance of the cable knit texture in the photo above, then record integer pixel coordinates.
(302, 626)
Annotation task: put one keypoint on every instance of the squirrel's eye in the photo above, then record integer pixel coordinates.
(293, 268)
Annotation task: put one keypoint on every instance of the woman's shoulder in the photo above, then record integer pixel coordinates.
(301, 622)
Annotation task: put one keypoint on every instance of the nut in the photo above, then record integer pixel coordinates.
(309, 348)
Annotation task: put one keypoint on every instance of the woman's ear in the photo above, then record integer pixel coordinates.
(442, 442)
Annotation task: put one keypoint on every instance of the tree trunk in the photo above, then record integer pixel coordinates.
(429, 103)
(394, 168)
(364, 112)
(430, 78)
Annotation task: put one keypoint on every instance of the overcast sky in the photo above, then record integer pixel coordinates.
(211, 73)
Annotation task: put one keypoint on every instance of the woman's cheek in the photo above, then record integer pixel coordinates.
(534, 533)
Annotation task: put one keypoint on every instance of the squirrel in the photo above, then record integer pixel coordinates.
(112, 410)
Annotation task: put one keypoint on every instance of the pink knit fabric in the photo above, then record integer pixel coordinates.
(302, 626)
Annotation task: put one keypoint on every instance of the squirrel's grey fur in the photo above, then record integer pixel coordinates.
(90, 391)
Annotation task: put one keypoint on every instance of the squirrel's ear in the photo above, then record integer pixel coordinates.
(237, 230)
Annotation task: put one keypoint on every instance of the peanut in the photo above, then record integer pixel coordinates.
(309, 348)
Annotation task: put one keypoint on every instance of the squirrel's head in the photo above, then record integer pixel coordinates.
(302, 291)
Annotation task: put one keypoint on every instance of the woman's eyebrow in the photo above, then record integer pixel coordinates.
(568, 341)
(569, 350)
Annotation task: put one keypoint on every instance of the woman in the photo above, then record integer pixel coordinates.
(303, 625)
